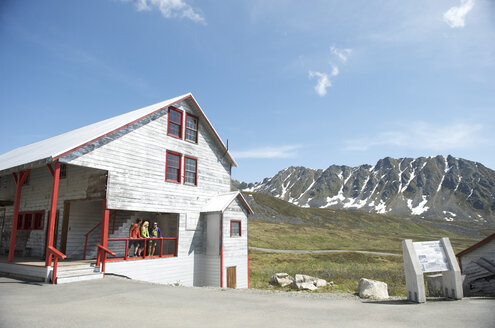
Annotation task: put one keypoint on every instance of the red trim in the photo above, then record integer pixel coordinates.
(145, 116)
(179, 171)
(196, 173)
(50, 168)
(181, 125)
(247, 250)
(104, 235)
(478, 244)
(53, 213)
(122, 127)
(186, 128)
(19, 179)
(240, 227)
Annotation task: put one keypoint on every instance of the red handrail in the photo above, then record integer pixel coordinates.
(58, 256)
(144, 256)
(86, 239)
(102, 256)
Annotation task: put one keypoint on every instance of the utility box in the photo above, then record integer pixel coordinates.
(427, 257)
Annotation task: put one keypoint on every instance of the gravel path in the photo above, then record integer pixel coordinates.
(121, 303)
(291, 251)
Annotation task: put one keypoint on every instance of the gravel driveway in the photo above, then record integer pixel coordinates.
(118, 302)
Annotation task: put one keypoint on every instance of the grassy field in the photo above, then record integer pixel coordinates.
(277, 224)
(344, 269)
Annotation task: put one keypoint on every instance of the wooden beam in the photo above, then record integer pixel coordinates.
(53, 213)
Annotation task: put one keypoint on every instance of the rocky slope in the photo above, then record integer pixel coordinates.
(445, 188)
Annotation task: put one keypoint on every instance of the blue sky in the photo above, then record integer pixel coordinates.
(309, 83)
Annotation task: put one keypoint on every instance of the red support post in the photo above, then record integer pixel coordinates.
(104, 233)
(53, 213)
(19, 178)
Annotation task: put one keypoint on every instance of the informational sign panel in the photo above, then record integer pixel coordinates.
(431, 256)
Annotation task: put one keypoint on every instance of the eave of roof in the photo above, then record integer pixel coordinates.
(477, 245)
(53, 148)
(221, 202)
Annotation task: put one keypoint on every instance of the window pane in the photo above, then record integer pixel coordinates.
(175, 117)
(173, 161)
(28, 221)
(174, 129)
(236, 228)
(192, 123)
(172, 174)
(190, 165)
(191, 135)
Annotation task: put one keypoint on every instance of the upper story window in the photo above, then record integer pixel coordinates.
(63, 171)
(190, 171)
(191, 128)
(235, 228)
(174, 122)
(173, 172)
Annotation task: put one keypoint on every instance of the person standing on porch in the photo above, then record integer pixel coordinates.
(154, 233)
(145, 234)
(134, 233)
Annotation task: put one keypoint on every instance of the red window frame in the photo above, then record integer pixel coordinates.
(240, 228)
(36, 222)
(181, 113)
(195, 131)
(195, 173)
(167, 166)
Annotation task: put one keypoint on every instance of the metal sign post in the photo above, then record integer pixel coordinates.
(431, 256)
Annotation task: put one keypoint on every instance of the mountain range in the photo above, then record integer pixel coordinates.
(441, 187)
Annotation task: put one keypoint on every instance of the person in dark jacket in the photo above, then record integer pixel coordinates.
(154, 233)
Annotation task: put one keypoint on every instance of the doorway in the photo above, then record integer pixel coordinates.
(231, 277)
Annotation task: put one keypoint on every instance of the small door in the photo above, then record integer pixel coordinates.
(65, 227)
(231, 275)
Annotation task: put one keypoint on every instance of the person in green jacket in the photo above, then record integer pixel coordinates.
(154, 233)
(145, 234)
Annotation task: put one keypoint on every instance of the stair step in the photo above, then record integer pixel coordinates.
(68, 279)
(80, 272)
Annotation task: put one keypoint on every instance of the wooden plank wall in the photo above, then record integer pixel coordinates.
(235, 249)
(479, 279)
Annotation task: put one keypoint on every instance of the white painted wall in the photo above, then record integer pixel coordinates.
(235, 249)
(475, 273)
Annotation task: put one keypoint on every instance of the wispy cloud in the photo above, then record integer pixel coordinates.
(170, 9)
(456, 16)
(286, 151)
(422, 135)
(342, 54)
(324, 79)
(322, 83)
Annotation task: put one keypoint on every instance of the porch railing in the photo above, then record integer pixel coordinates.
(58, 256)
(102, 256)
(86, 236)
(159, 250)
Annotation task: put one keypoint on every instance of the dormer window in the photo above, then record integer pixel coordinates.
(174, 122)
(191, 128)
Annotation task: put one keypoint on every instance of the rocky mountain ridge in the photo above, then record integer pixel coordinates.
(440, 187)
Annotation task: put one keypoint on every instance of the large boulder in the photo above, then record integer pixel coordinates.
(373, 289)
(281, 279)
(304, 282)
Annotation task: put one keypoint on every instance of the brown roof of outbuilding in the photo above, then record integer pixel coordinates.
(475, 246)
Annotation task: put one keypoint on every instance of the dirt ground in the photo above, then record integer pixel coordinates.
(118, 302)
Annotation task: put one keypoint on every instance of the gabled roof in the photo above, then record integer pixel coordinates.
(221, 202)
(478, 244)
(53, 148)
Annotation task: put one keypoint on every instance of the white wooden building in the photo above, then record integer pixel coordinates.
(478, 266)
(77, 194)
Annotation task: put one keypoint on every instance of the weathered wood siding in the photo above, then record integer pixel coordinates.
(84, 216)
(80, 183)
(235, 249)
(479, 279)
(135, 158)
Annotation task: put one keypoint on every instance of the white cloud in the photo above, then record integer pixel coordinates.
(422, 135)
(323, 81)
(456, 16)
(342, 54)
(268, 152)
(169, 9)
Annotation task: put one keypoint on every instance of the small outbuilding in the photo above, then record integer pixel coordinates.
(478, 266)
